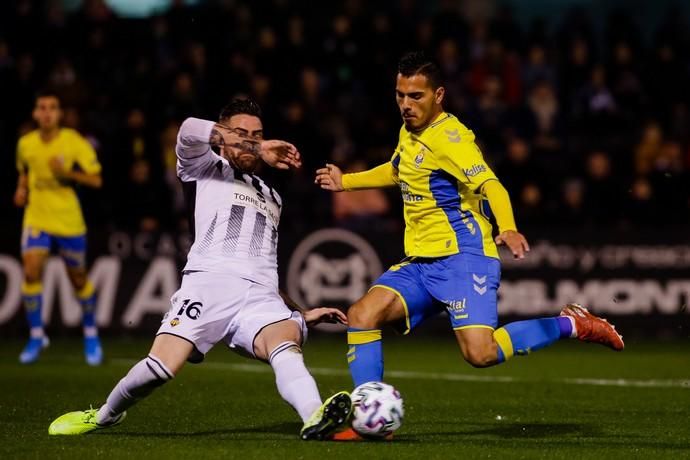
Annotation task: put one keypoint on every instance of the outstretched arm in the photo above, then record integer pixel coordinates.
(280, 154)
(332, 178)
(503, 212)
(197, 136)
(315, 315)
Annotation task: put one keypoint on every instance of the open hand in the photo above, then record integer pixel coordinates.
(515, 241)
(330, 178)
(280, 154)
(57, 166)
(324, 315)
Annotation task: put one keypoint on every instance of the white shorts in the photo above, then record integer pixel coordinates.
(212, 307)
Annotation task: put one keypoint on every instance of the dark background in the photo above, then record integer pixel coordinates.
(582, 109)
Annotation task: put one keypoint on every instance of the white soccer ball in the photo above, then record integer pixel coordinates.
(378, 409)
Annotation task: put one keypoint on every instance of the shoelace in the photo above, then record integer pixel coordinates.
(90, 415)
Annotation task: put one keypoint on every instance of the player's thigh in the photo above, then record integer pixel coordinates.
(172, 351)
(397, 297)
(72, 250)
(466, 286)
(203, 310)
(273, 335)
(35, 246)
(263, 322)
(378, 306)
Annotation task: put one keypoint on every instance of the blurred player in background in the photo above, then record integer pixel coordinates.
(51, 161)
(229, 289)
(452, 262)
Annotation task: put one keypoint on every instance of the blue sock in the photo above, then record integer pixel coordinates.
(87, 300)
(89, 308)
(32, 298)
(32, 304)
(365, 355)
(523, 337)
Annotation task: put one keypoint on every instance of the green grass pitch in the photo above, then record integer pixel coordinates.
(570, 401)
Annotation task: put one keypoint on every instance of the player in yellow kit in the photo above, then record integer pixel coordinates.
(449, 194)
(51, 160)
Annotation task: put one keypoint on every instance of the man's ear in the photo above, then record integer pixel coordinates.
(439, 94)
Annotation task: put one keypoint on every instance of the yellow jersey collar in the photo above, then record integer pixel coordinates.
(443, 116)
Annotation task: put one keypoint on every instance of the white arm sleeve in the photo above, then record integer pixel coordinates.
(194, 154)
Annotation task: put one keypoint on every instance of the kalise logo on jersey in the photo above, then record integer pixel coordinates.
(474, 170)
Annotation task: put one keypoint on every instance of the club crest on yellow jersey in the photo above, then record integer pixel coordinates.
(419, 158)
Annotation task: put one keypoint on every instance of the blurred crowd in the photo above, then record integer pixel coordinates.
(585, 126)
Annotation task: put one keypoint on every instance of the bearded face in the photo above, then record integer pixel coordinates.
(245, 154)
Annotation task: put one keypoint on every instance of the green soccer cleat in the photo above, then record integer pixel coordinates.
(80, 422)
(333, 414)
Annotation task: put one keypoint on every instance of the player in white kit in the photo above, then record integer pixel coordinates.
(229, 290)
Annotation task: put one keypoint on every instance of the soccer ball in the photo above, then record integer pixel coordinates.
(378, 409)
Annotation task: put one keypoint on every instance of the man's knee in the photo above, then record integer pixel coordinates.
(274, 335)
(362, 316)
(77, 278)
(481, 355)
(32, 272)
(171, 351)
(378, 307)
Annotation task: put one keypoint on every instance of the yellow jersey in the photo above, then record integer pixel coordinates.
(53, 206)
(440, 172)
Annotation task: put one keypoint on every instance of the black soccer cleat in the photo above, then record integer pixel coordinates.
(333, 415)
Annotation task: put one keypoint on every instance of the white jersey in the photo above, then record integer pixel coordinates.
(235, 215)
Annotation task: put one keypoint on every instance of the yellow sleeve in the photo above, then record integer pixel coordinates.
(383, 175)
(465, 162)
(500, 205)
(85, 155)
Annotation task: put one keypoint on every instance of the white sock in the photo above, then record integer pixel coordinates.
(573, 335)
(295, 383)
(146, 375)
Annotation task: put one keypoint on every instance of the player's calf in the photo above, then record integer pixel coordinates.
(295, 384)
(478, 346)
(147, 375)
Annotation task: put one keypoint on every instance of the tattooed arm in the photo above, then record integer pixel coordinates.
(194, 142)
(216, 138)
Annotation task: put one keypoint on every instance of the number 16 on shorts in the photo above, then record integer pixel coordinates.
(190, 309)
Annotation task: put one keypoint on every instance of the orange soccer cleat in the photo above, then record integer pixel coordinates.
(351, 435)
(590, 328)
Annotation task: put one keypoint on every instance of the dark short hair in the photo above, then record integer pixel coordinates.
(240, 106)
(47, 92)
(419, 63)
